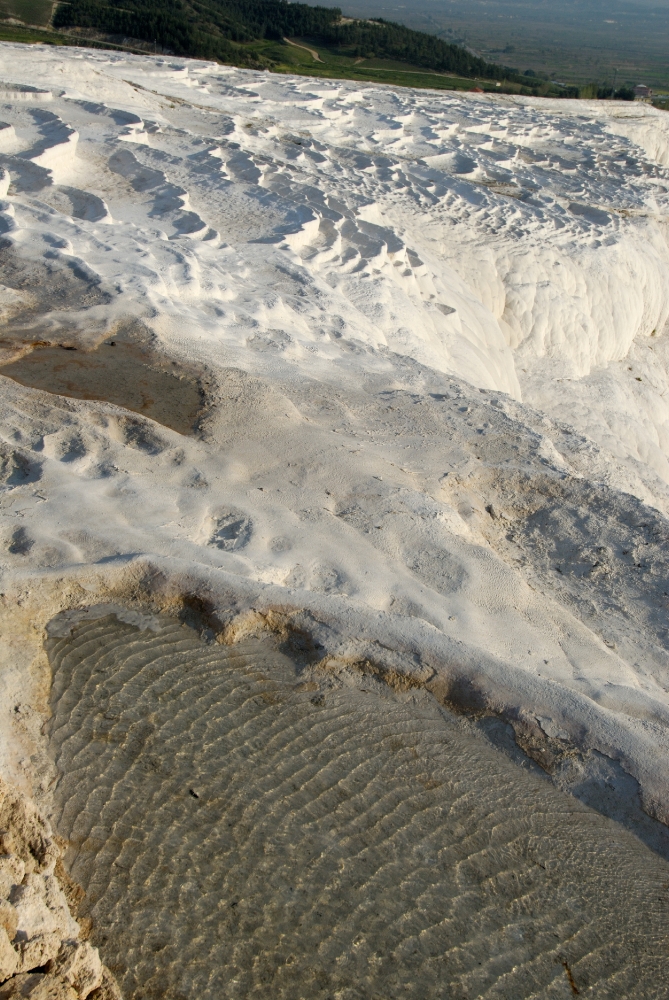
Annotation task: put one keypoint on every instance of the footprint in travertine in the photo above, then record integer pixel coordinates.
(17, 467)
(319, 576)
(65, 445)
(243, 830)
(230, 529)
(20, 542)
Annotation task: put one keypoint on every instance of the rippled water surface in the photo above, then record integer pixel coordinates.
(246, 829)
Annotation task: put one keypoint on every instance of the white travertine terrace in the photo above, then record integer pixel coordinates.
(430, 334)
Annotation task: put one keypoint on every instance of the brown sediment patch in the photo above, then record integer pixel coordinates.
(119, 372)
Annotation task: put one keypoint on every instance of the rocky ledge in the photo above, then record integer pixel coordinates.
(42, 951)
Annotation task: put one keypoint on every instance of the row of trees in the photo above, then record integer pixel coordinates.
(595, 90)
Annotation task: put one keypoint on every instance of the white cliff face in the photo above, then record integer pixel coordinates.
(430, 334)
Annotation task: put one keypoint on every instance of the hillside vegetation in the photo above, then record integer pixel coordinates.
(227, 29)
(276, 35)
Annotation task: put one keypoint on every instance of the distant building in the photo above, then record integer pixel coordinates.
(643, 93)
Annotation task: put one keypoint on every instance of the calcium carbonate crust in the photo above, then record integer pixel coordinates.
(42, 951)
(429, 331)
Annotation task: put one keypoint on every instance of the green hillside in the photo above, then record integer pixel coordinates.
(233, 31)
(276, 35)
(38, 12)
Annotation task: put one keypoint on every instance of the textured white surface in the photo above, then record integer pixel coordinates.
(371, 282)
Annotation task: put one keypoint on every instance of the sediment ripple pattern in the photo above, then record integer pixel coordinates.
(243, 831)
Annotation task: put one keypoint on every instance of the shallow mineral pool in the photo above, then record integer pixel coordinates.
(117, 372)
(245, 829)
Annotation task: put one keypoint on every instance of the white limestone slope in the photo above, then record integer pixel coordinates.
(433, 333)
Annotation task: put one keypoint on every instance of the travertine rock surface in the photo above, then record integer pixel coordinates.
(37, 986)
(37, 930)
(78, 963)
